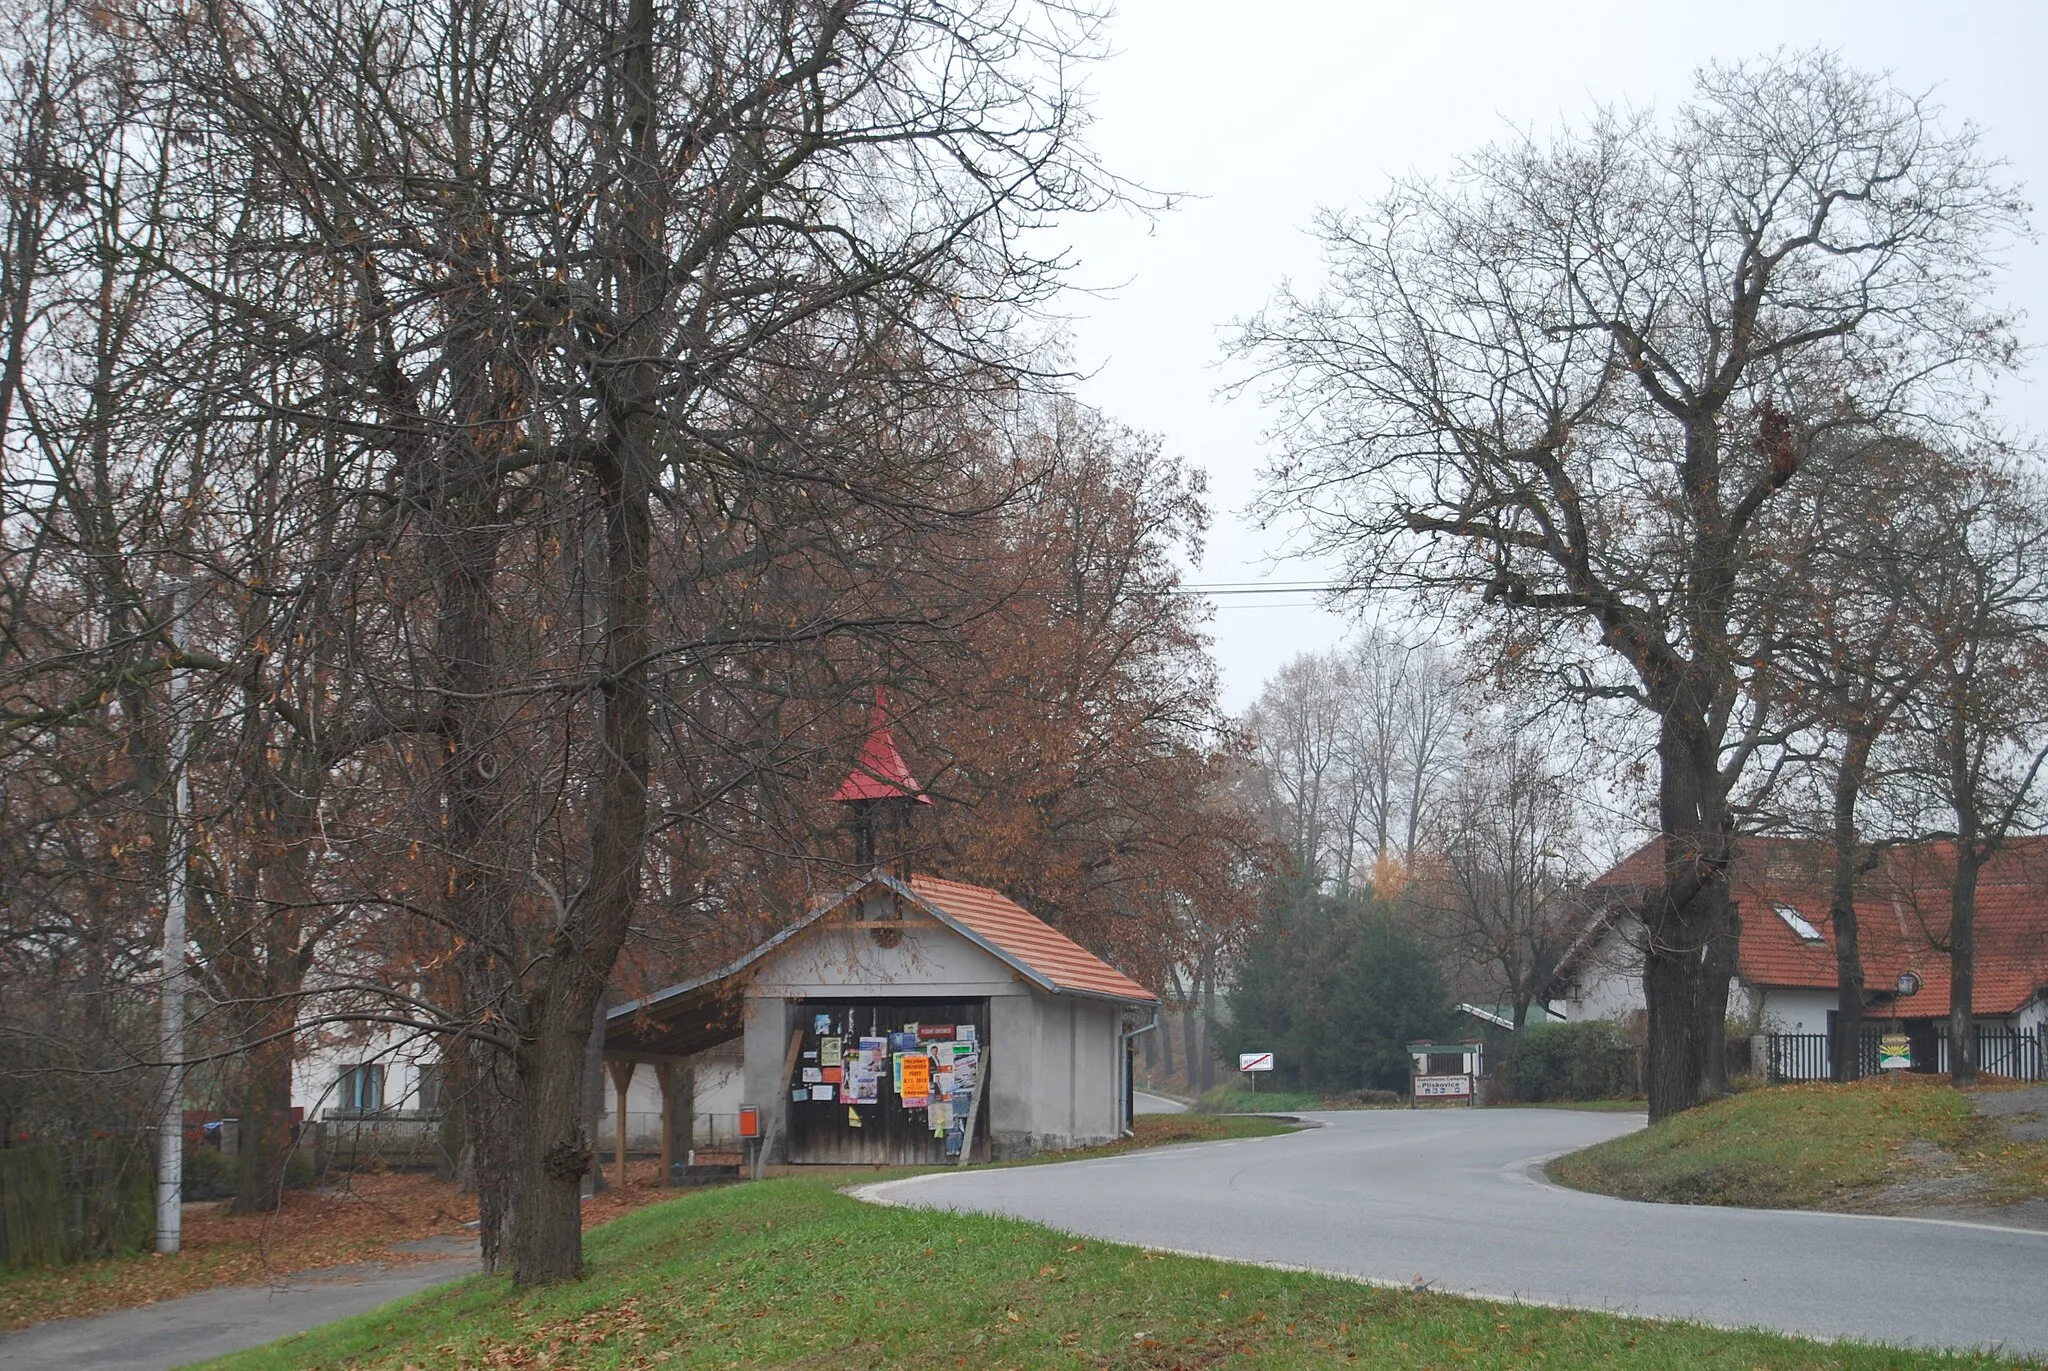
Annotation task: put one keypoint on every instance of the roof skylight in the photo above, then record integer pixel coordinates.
(1797, 922)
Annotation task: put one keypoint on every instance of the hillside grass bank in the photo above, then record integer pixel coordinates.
(1890, 1145)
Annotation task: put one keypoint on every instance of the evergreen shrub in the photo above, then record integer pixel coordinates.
(1570, 1061)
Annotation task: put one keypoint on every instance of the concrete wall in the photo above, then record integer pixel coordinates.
(1055, 1081)
(1797, 1011)
(1609, 983)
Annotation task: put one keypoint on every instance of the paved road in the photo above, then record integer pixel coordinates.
(1143, 1103)
(1450, 1197)
(214, 1323)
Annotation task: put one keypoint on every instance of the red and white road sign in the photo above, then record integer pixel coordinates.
(1254, 1061)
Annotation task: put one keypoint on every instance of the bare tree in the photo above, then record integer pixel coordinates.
(1557, 393)
(1980, 723)
(1511, 853)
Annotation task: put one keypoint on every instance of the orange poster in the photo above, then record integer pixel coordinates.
(917, 1079)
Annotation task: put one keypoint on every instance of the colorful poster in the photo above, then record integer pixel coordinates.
(822, 1092)
(945, 1083)
(941, 1116)
(829, 1052)
(799, 1092)
(813, 1075)
(917, 1079)
(934, 1032)
(965, 1071)
(874, 1049)
(864, 1087)
(832, 1074)
(900, 1043)
(966, 1033)
(852, 1117)
(821, 1024)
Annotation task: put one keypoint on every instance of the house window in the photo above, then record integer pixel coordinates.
(433, 1085)
(1797, 922)
(362, 1088)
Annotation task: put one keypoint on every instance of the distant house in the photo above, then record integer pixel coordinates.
(1785, 961)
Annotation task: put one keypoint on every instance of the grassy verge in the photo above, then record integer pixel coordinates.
(1235, 1099)
(1165, 1130)
(792, 1274)
(1875, 1145)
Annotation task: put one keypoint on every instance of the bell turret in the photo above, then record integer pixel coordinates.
(880, 789)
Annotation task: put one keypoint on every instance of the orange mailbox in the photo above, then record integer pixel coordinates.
(750, 1121)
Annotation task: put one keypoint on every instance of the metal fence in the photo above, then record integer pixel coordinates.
(709, 1132)
(2002, 1052)
(2013, 1053)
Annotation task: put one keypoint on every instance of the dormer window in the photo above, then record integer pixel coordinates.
(1797, 922)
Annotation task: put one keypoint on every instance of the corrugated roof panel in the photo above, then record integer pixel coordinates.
(1027, 940)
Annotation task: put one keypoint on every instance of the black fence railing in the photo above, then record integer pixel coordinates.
(2018, 1054)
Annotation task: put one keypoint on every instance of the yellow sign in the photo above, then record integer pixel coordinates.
(917, 1076)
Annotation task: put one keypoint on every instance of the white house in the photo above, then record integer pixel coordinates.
(1785, 962)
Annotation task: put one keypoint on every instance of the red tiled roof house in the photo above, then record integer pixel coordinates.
(1786, 954)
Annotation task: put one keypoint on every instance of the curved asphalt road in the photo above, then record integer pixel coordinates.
(1453, 1198)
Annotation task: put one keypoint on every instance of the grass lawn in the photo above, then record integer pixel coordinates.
(1875, 1145)
(791, 1273)
(360, 1222)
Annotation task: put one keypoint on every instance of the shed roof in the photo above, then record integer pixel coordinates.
(1903, 910)
(704, 1011)
(1029, 944)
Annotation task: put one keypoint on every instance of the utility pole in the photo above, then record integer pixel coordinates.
(170, 1151)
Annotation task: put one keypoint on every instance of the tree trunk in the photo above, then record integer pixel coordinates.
(1847, 1047)
(1962, 963)
(266, 1117)
(1208, 1018)
(1690, 945)
(593, 1091)
(555, 1151)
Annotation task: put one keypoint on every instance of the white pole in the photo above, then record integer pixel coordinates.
(170, 1152)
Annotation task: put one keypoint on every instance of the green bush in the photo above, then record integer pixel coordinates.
(210, 1174)
(71, 1203)
(1570, 1061)
(298, 1168)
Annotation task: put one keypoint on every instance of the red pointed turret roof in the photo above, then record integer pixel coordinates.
(880, 773)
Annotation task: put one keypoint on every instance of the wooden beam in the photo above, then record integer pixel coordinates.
(974, 1111)
(622, 1077)
(781, 1112)
(664, 1073)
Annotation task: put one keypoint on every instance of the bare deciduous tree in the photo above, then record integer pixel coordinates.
(1558, 391)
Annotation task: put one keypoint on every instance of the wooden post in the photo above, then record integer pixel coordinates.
(974, 1110)
(663, 1072)
(622, 1076)
(780, 1114)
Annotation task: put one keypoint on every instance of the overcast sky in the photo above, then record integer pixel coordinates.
(1262, 112)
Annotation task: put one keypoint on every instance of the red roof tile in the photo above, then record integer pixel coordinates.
(1902, 918)
(880, 773)
(1027, 941)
